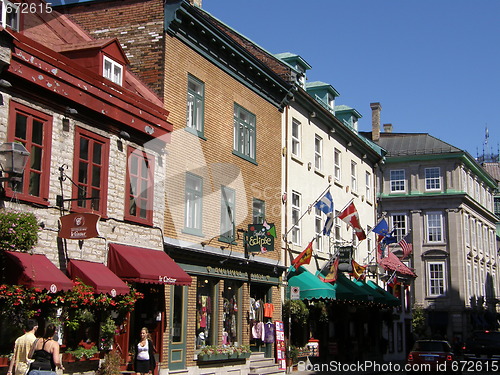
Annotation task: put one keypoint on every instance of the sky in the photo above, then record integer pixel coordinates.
(434, 65)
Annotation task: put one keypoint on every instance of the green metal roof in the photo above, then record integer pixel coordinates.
(311, 287)
(288, 56)
(317, 85)
(344, 108)
(390, 299)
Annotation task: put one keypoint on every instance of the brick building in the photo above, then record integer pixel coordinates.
(225, 171)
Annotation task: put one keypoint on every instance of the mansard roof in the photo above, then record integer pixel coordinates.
(406, 144)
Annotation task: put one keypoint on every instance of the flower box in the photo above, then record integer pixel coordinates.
(212, 357)
(244, 355)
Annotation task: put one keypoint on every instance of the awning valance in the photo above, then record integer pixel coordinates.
(390, 299)
(377, 297)
(145, 266)
(98, 276)
(347, 290)
(36, 271)
(311, 287)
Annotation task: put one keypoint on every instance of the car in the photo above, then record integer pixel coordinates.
(482, 344)
(430, 355)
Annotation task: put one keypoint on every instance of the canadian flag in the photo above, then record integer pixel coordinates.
(351, 217)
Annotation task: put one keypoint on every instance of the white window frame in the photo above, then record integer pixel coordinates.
(466, 230)
(432, 181)
(227, 214)
(397, 180)
(368, 182)
(296, 137)
(479, 234)
(10, 14)
(195, 104)
(318, 153)
(338, 227)
(318, 228)
(354, 176)
(431, 227)
(244, 133)
(337, 164)
(473, 236)
(258, 211)
(476, 280)
(436, 278)
(296, 212)
(110, 74)
(469, 282)
(399, 222)
(193, 203)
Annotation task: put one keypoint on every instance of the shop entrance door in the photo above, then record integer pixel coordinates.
(178, 321)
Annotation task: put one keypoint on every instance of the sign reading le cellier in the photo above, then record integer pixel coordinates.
(260, 237)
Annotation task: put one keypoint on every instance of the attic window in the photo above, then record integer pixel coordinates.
(10, 14)
(112, 71)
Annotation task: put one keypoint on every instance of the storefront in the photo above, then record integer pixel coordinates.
(233, 302)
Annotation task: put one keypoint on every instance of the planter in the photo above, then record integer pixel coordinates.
(244, 355)
(233, 356)
(67, 357)
(213, 357)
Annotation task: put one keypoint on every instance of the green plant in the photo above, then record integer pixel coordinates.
(298, 311)
(81, 352)
(111, 364)
(418, 321)
(107, 333)
(18, 230)
(292, 353)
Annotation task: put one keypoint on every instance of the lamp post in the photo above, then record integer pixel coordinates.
(13, 159)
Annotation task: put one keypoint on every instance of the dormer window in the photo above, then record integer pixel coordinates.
(112, 71)
(10, 14)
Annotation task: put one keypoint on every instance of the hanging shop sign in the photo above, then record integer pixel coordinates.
(260, 237)
(345, 256)
(79, 226)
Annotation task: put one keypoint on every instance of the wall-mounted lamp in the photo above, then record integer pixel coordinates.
(5, 84)
(13, 159)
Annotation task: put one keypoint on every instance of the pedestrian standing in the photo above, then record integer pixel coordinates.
(144, 362)
(45, 353)
(22, 348)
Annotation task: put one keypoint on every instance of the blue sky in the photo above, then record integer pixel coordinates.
(433, 65)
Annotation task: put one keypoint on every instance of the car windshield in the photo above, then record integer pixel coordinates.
(431, 346)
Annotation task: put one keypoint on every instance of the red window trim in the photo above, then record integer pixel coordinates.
(104, 172)
(43, 198)
(149, 205)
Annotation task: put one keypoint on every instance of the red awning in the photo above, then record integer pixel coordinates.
(36, 271)
(145, 265)
(97, 275)
(392, 262)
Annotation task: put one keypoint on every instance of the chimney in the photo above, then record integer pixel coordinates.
(387, 128)
(376, 108)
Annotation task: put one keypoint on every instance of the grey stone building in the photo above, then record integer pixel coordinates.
(442, 198)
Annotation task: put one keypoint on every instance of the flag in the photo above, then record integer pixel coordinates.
(382, 228)
(327, 229)
(331, 276)
(392, 280)
(390, 238)
(406, 246)
(351, 217)
(358, 271)
(381, 251)
(304, 257)
(325, 204)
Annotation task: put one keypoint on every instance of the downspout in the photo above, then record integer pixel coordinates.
(285, 203)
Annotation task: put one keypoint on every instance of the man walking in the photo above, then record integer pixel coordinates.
(22, 348)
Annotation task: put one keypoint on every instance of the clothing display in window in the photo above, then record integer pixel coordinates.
(268, 333)
(268, 310)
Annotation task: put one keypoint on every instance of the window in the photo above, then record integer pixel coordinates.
(336, 164)
(464, 181)
(476, 281)
(399, 225)
(112, 71)
(318, 229)
(227, 214)
(496, 201)
(436, 278)
(368, 182)
(432, 179)
(295, 138)
(354, 179)
(295, 217)
(337, 227)
(469, 281)
(398, 182)
(473, 233)
(434, 227)
(466, 230)
(318, 152)
(244, 133)
(90, 172)
(34, 130)
(258, 211)
(479, 234)
(231, 317)
(193, 204)
(205, 305)
(10, 14)
(139, 187)
(195, 105)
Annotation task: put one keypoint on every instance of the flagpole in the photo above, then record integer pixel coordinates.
(306, 211)
(342, 210)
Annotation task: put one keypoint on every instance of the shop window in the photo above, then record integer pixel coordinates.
(90, 172)
(34, 130)
(206, 333)
(139, 189)
(260, 316)
(230, 317)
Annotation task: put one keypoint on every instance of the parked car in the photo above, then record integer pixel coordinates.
(482, 344)
(430, 355)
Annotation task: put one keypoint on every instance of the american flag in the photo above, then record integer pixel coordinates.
(406, 246)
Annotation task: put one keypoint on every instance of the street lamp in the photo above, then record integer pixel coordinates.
(13, 159)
